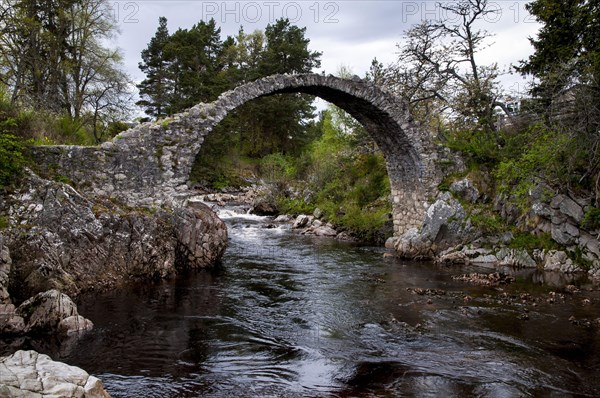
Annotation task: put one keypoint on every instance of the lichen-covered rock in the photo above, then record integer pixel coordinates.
(515, 258)
(61, 240)
(29, 374)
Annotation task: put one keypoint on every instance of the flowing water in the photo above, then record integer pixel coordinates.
(289, 315)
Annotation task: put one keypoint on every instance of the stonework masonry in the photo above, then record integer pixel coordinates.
(150, 163)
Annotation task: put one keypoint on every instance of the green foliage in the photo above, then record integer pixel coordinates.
(478, 147)
(541, 159)
(488, 222)
(155, 89)
(4, 222)
(71, 131)
(591, 219)
(196, 65)
(530, 242)
(278, 167)
(12, 123)
(578, 258)
(444, 186)
(54, 58)
(11, 158)
(348, 181)
(567, 50)
(63, 179)
(294, 206)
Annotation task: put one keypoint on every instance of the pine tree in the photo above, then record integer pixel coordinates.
(196, 56)
(157, 89)
(287, 50)
(278, 124)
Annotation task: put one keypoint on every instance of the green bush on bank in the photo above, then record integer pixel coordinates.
(11, 158)
(591, 219)
(12, 124)
(346, 180)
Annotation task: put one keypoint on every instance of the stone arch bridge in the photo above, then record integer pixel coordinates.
(151, 162)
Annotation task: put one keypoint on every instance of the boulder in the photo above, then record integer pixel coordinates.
(5, 264)
(590, 244)
(451, 257)
(201, 236)
(562, 234)
(284, 218)
(443, 220)
(515, 258)
(74, 324)
(10, 322)
(465, 189)
(568, 207)
(29, 374)
(301, 221)
(390, 243)
(324, 231)
(556, 260)
(61, 240)
(444, 226)
(488, 260)
(318, 213)
(264, 208)
(52, 311)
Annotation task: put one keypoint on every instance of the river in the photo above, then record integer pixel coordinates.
(288, 315)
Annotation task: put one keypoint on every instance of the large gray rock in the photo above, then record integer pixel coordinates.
(562, 234)
(5, 263)
(264, 208)
(556, 260)
(465, 189)
(301, 221)
(62, 240)
(32, 375)
(515, 258)
(444, 226)
(443, 220)
(11, 323)
(568, 207)
(50, 312)
(201, 236)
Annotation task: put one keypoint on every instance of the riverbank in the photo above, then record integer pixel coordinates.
(456, 230)
(58, 241)
(298, 315)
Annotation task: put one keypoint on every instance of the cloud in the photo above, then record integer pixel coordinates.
(349, 33)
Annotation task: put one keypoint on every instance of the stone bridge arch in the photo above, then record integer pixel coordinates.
(151, 162)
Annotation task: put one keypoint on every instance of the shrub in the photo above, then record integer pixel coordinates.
(530, 242)
(591, 219)
(11, 158)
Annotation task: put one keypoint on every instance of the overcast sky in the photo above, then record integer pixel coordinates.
(349, 33)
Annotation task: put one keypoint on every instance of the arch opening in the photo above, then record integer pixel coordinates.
(384, 118)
